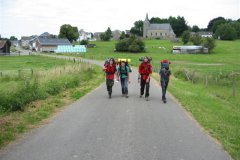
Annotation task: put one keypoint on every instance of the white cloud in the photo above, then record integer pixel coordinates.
(27, 17)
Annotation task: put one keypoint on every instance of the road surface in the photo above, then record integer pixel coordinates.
(98, 128)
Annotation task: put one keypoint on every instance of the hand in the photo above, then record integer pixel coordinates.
(129, 81)
(147, 80)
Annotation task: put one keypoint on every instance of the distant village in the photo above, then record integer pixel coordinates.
(47, 42)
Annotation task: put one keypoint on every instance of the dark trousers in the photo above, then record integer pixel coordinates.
(143, 84)
(124, 84)
(109, 84)
(164, 85)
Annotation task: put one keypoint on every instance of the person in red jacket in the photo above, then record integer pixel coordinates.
(110, 70)
(145, 70)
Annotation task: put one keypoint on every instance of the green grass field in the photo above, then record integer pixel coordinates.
(210, 101)
(35, 96)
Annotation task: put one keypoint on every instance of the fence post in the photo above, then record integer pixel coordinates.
(31, 71)
(234, 87)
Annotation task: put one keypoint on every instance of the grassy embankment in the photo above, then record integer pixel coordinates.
(32, 88)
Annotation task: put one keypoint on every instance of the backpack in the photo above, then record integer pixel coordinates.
(165, 64)
(165, 74)
(127, 61)
(123, 72)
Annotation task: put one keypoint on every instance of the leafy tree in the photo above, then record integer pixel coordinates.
(236, 26)
(186, 36)
(211, 23)
(137, 29)
(195, 28)
(217, 23)
(178, 24)
(196, 39)
(69, 32)
(208, 43)
(158, 20)
(226, 32)
(123, 35)
(107, 35)
(13, 38)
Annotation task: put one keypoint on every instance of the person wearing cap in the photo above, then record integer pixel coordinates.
(145, 71)
(110, 70)
(123, 75)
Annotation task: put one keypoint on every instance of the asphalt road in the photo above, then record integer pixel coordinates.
(98, 128)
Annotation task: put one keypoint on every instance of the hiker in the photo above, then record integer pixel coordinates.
(110, 70)
(123, 75)
(145, 70)
(164, 74)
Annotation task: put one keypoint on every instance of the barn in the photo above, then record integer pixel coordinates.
(50, 44)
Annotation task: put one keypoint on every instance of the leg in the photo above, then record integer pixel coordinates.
(111, 83)
(147, 89)
(143, 82)
(122, 85)
(126, 86)
(163, 90)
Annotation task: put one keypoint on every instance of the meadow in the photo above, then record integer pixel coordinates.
(33, 88)
(207, 85)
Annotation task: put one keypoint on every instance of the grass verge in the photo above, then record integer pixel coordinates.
(14, 124)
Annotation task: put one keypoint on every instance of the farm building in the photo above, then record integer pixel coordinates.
(70, 49)
(189, 49)
(50, 44)
(5, 47)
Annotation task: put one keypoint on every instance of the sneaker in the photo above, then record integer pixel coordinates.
(140, 96)
(126, 96)
(147, 99)
(109, 96)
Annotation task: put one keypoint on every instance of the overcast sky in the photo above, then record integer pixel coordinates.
(32, 17)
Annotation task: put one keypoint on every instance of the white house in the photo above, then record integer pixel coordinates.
(84, 35)
(206, 34)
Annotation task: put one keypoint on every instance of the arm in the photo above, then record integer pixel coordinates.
(150, 72)
(128, 70)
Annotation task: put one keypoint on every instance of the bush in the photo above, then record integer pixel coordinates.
(208, 43)
(84, 42)
(186, 37)
(196, 39)
(131, 44)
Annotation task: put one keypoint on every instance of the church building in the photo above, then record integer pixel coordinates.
(162, 31)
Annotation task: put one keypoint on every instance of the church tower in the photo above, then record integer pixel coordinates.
(146, 25)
